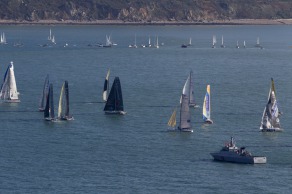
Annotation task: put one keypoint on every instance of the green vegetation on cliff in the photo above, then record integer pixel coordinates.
(144, 11)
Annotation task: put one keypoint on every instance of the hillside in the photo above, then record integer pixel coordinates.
(143, 11)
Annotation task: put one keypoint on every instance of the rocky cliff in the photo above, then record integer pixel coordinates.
(144, 11)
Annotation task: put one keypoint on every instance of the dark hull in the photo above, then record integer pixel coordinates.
(235, 158)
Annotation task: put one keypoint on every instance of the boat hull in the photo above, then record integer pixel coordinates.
(208, 121)
(179, 130)
(11, 101)
(50, 119)
(115, 112)
(66, 118)
(239, 159)
(271, 130)
(185, 130)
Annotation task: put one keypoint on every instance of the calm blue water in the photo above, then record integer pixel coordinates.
(98, 153)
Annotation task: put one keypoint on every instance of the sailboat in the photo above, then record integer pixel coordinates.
(157, 44)
(207, 107)
(188, 90)
(190, 42)
(108, 42)
(106, 86)
(222, 42)
(114, 103)
(270, 119)
(172, 121)
(258, 43)
(133, 45)
(237, 45)
(185, 116)
(53, 40)
(49, 114)
(44, 94)
(214, 42)
(244, 45)
(3, 38)
(63, 110)
(149, 41)
(51, 37)
(8, 91)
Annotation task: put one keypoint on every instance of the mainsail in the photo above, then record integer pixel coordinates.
(63, 109)
(172, 120)
(271, 114)
(114, 103)
(185, 116)
(44, 93)
(207, 106)
(8, 91)
(106, 86)
(49, 114)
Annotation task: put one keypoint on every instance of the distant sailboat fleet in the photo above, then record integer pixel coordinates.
(109, 43)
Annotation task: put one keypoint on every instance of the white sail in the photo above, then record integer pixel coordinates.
(157, 44)
(106, 86)
(3, 38)
(149, 42)
(188, 90)
(53, 40)
(222, 42)
(190, 42)
(108, 42)
(214, 41)
(9, 89)
(50, 35)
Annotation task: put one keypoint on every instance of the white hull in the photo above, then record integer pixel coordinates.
(11, 101)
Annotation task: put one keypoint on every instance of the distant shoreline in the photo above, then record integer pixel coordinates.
(119, 22)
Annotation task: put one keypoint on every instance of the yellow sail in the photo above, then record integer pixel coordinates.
(172, 120)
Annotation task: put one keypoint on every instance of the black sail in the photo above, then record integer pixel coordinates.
(115, 99)
(67, 98)
(47, 107)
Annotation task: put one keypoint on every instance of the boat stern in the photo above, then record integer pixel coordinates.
(259, 160)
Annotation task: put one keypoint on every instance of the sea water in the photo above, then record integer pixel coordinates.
(134, 153)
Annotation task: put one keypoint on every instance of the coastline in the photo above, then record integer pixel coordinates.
(120, 22)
